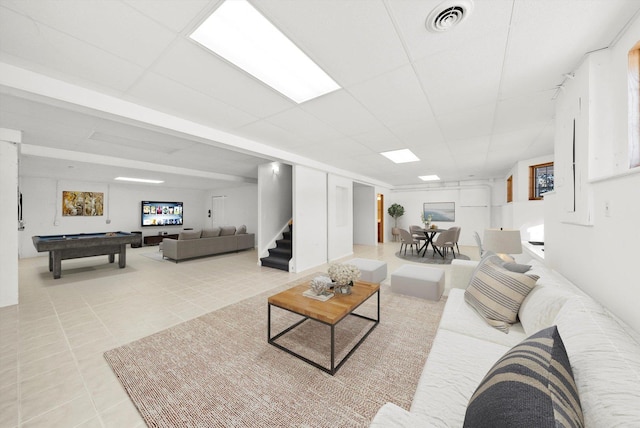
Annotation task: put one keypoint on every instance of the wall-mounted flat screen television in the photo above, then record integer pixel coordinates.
(154, 213)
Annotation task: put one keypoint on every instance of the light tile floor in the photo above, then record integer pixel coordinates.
(52, 371)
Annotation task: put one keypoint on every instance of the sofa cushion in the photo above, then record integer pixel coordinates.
(496, 293)
(241, 230)
(227, 230)
(455, 366)
(532, 385)
(211, 233)
(462, 318)
(606, 363)
(540, 307)
(189, 234)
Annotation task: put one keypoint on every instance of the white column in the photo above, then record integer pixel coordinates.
(9, 140)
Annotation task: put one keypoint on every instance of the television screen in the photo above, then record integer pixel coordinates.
(155, 213)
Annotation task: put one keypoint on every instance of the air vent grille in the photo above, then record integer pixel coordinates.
(448, 15)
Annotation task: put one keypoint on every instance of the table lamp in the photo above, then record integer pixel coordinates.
(503, 242)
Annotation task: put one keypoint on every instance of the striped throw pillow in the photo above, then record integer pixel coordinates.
(532, 385)
(497, 293)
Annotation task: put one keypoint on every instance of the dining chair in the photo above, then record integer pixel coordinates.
(417, 233)
(407, 239)
(456, 237)
(443, 241)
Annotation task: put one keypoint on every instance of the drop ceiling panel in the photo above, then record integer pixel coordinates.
(394, 97)
(44, 49)
(174, 15)
(379, 139)
(467, 123)
(205, 72)
(351, 40)
(111, 26)
(489, 18)
(169, 96)
(342, 112)
(304, 125)
(470, 76)
(537, 110)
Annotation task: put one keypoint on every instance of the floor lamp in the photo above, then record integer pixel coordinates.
(503, 242)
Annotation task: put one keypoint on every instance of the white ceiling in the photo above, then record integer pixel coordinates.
(469, 103)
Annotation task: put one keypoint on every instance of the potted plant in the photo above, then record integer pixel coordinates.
(395, 211)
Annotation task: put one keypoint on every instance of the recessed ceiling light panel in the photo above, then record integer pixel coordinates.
(401, 156)
(139, 180)
(429, 177)
(243, 36)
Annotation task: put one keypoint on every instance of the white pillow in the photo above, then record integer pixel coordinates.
(540, 307)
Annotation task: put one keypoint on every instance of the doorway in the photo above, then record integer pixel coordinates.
(217, 211)
(380, 201)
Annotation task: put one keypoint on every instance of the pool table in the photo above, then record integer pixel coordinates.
(63, 247)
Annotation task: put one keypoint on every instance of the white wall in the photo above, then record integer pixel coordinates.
(275, 203)
(599, 252)
(339, 216)
(240, 206)
(365, 215)
(472, 205)
(42, 207)
(310, 218)
(9, 225)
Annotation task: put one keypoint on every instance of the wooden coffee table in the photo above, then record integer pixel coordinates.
(330, 313)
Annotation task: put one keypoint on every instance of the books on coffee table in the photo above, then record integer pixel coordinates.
(322, 297)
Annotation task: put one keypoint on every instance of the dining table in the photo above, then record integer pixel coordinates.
(429, 235)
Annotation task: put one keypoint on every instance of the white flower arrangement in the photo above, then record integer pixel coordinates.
(426, 219)
(343, 274)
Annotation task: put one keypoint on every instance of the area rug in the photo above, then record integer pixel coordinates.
(218, 370)
(429, 258)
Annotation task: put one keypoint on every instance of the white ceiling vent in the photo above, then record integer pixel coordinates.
(448, 14)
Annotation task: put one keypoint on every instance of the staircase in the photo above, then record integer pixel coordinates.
(279, 256)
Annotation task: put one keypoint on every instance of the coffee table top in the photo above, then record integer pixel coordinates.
(329, 312)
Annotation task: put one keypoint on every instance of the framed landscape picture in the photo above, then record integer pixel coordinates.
(440, 211)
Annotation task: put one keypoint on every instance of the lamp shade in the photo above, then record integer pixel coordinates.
(502, 241)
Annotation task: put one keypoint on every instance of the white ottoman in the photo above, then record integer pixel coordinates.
(371, 270)
(418, 281)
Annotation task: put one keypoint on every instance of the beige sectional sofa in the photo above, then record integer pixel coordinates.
(603, 352)
(207, 242)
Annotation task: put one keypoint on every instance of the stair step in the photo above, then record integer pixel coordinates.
(287, 235)
(283, 243)
(275, 262)
(280, 252)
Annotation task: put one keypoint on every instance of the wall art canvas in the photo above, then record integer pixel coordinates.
(440, 211)
(82, 203)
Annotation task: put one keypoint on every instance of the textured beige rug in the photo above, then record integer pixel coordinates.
(218, 370)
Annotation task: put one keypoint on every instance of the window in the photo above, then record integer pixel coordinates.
(510, 189)
(634, 106)
(541, 179)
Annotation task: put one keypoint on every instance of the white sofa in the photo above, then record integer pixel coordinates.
(604, 355)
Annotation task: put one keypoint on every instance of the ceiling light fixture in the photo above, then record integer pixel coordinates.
(401, 156)
(139, 180)
(243, 36)
(429, 177)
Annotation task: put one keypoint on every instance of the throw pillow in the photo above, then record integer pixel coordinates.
(241, 230)
(540, 307)
(211, 233)
(189, 234)
(227, 230)
(497, 293)
(532, 385)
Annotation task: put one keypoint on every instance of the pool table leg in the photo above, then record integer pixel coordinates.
(55, 261)
(122, 257)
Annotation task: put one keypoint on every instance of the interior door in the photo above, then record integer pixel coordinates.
(217, 211)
